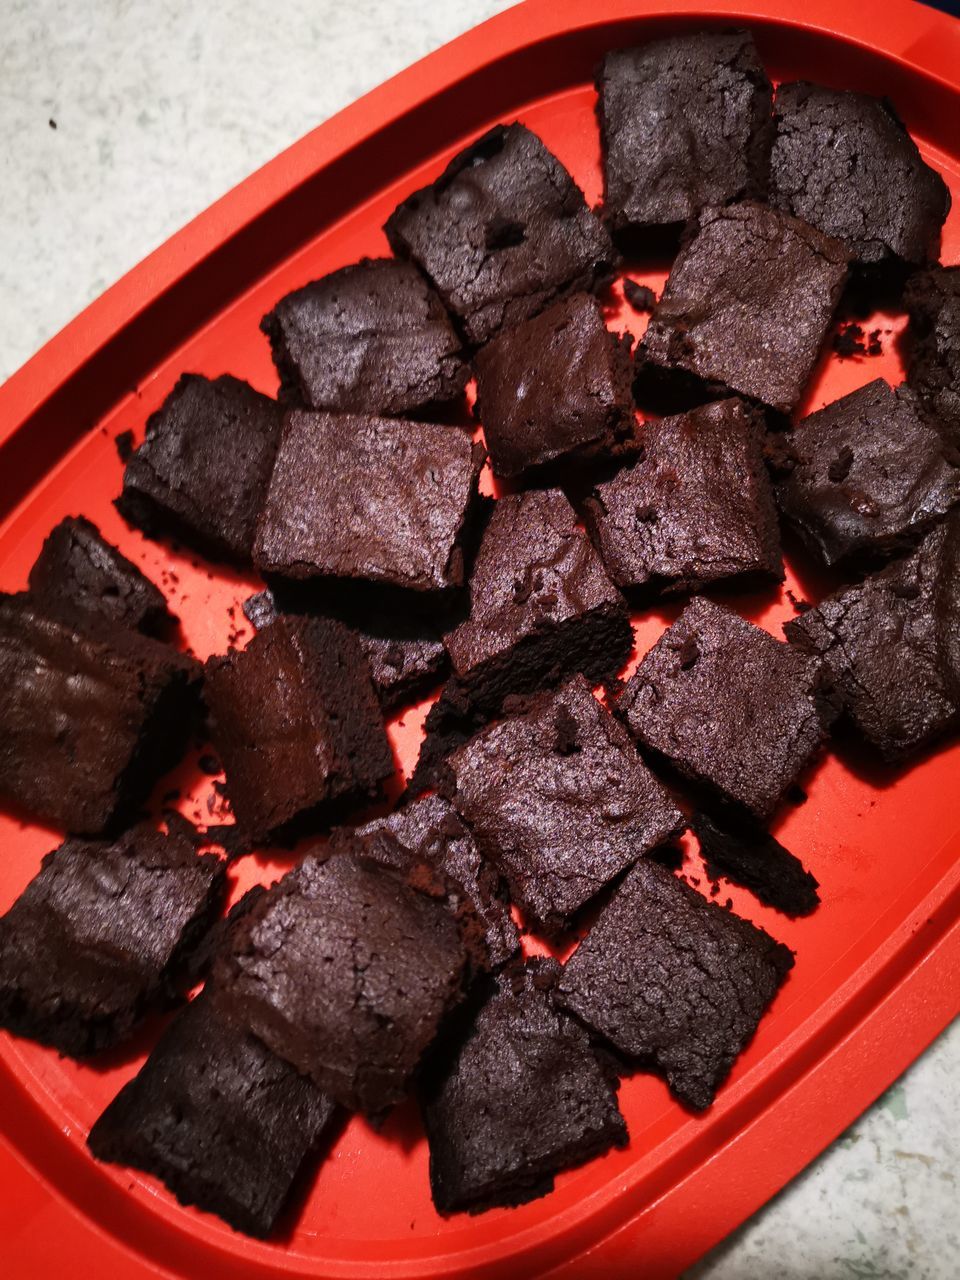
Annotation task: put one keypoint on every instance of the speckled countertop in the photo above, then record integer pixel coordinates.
(121, 119)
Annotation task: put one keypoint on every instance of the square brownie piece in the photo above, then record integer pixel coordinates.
(89, 719)
(345, 970)
(685, 123)
(556, 385)
(429, 831)
(370, 338)
(890, 644)
(514, 1094)
(202, 471)
(845, 163)
(541, 604)
(866, 476)
(100, 936)
(79, 573)
(746, 306)
(560, 800)
(368, 498)
(674, 981)
(751, 857)
(697, 508)
(502, 233)
(405, 651)
(224, 1123)
(296, 722)
(932, 299)
(731, 708)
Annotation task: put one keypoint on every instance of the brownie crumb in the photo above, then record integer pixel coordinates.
(799, 606)
(124, 443)
(640, 296)
(209, 764)
(848, 341)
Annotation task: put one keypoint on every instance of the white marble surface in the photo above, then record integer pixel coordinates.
(162, 105)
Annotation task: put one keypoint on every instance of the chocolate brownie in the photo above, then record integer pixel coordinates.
(556, 385)
(933, 363)
(845, 163)
(514, 1094)
(202, 472)
(890, 646)
(685, 123)
(428, 830)
(359, 497)
(697, 508)
(866, 476)
(405, 651)
(541, 604)
(345, 970)
(746, 306)
(100, 936)
(731, 708)
(371, 338)
(753, 858)
(295, 720)
(217, 1117)
(502, 233)
(88, 719)
(559, 798)
(79, 572)
(674, 982)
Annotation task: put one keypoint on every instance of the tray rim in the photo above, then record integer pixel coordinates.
(898, 1019)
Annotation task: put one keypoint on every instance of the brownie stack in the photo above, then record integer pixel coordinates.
(394, 956)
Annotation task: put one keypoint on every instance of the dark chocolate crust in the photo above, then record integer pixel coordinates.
(560, 800)
(556, 385)
(429, 830)
(697, 508)
(360, 497)
(685, 123)
(746, 306)
(514, 1094)
(673, 981)
(845, 163)
(100, 936)
(502, 233)
(295, 720)
(344, 970)
(222, 1121)
(202, 471)
(731, 708)
(89, 719)
(890, 646)
(79, 573)
(541, 605)
(932, 299)
(755, 859)
(370, 338)
(867, 475)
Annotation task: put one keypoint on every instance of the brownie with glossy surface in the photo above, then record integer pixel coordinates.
(100, 936)
(218, 1118)
(296, 722)
(735, 711)
(502, 233)
(746, 306)
(685, 123)
(697, 508)
(370, 338)
(202, 471)
(673, 981)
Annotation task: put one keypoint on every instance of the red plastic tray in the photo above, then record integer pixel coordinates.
(877, 965)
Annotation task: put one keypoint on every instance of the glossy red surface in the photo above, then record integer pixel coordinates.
(877, 965)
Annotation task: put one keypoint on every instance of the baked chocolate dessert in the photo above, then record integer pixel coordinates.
(933, 362)
(753, 858)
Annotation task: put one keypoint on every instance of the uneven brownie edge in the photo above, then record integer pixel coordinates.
(932, 299)
(755, 859)
(226, 1125)
(512, 1094)
(658, 935)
